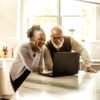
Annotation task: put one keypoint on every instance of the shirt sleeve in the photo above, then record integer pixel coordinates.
(41, 57)
(29, 63)
(76, 46)
(47, 59)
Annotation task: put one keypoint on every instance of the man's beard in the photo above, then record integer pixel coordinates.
(56, 46)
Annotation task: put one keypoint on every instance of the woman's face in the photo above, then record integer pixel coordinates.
(39, 39)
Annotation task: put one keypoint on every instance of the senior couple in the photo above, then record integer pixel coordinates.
(30, 55)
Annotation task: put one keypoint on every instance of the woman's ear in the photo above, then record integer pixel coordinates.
(33, 39)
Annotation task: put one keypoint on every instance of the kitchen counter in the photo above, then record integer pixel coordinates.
(83, 86)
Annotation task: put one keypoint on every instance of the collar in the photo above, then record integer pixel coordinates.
(56, 46)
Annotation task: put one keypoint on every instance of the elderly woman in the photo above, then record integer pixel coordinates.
(29, 57)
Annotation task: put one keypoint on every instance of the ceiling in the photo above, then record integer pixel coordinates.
(91, 1)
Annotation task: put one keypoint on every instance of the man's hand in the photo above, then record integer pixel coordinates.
(39, 69)
(89, 69)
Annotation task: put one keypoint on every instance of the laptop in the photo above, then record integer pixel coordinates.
(64, 63)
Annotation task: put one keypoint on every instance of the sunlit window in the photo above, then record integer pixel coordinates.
(45, 22)
(77, 19)
(41, 7)
(69, 7)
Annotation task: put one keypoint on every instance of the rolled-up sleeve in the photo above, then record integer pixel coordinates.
(47, 59)
(76, 46)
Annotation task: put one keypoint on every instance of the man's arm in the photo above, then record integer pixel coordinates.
(47, 59)
(76, 46)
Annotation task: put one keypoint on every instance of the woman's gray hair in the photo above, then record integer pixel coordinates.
(34, 30)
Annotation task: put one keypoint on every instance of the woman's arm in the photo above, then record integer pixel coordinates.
(29, 63)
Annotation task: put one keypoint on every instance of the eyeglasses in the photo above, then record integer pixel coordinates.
(41, 39)
(57, 38)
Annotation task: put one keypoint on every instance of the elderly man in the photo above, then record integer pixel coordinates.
(60, 43)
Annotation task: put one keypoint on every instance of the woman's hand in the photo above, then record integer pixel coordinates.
(38, 49)
(35, 46)
(39, 69)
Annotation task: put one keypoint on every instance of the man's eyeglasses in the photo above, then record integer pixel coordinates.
(57, 38)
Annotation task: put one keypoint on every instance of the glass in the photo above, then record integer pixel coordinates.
(86, 13)
(72, 23)
(80, 17)
(41, 39)
(93, 1)
(45, 22)
(79, 27)
(41, 7)
(70, 7)
(57, 38)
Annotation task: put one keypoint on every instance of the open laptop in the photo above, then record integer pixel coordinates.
(64, 63)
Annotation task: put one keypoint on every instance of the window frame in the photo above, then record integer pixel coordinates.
(23, 19)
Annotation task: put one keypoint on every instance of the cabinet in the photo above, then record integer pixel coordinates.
(5, 85)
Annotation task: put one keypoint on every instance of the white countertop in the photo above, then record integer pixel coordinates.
(6, 59)
(83, 86)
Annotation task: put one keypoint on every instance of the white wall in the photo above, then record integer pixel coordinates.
(8, 18)
(98, 23)
(8, 24)
(95, 46)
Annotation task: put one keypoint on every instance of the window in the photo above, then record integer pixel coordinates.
(46, 22)
(77, 19)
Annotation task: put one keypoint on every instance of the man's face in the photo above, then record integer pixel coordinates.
(57, 36)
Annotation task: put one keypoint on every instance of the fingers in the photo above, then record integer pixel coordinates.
(39, 69)
(88, 69)
(38, 50)
(36, 69)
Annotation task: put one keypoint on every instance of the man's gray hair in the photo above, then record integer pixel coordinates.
(54, 29)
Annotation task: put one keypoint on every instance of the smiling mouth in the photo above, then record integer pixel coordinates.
(41, 44)
(57, 43)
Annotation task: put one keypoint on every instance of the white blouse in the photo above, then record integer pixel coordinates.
(25, 59)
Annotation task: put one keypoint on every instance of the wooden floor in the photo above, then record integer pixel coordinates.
(83, 86)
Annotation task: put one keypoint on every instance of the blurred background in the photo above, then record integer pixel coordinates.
(78, 18)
